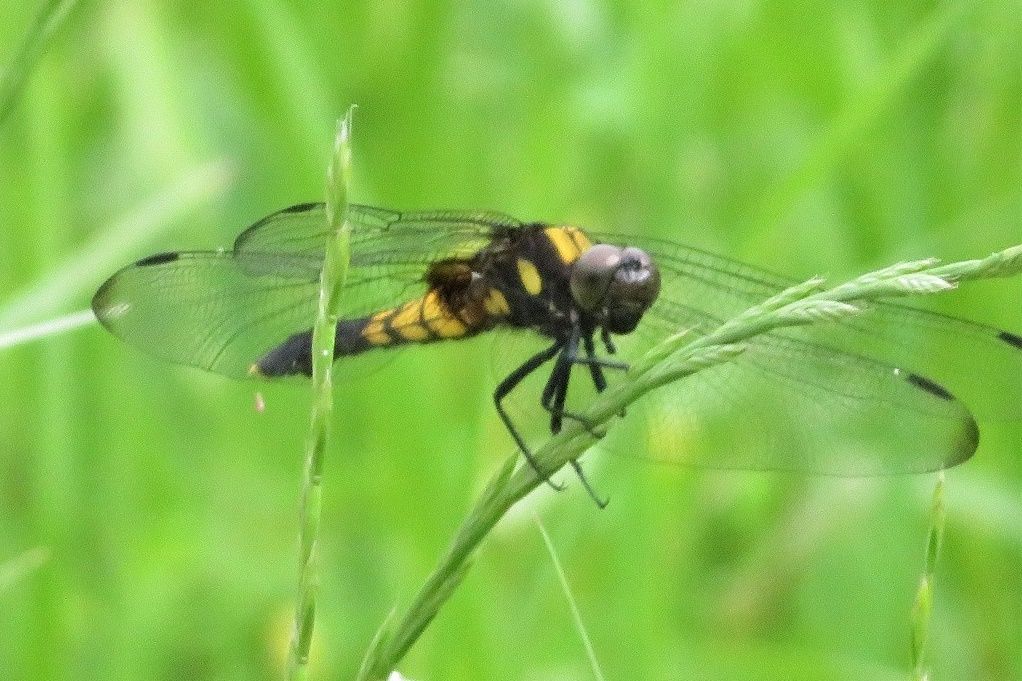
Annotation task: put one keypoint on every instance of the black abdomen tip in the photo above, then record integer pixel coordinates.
(293, 356)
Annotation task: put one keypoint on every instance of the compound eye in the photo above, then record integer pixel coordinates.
(634, 288)
(592, 275)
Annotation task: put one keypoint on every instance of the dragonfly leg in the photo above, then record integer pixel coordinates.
(556, 390)
(600, 502)
(596, 365)
(608, 342)
(558, 414)
(602, 362)
(559, 376)
(554, 395)
(595, 370)
(509, 384)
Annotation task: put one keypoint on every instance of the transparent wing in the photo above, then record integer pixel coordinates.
(979, 363)
(221, 310)
(851, 398)
(790, 404)
(206, 309)
(378, 236)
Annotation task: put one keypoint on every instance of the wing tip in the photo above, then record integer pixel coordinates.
(968, 443)
(966, 439)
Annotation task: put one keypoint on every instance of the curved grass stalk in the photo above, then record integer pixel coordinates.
(672, 360)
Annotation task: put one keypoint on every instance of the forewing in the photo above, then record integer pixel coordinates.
(221, 311)
(790, 404)
(849, 398)
(207, 309)
(390, 251)
(979, 363)
(378, 236)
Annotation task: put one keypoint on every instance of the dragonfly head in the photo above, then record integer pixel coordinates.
(616, 284)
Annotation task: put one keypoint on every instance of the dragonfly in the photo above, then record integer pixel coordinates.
(590, 302)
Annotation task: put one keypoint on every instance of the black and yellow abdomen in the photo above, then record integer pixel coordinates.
(426, 319)
(423, 320)
(519, 282)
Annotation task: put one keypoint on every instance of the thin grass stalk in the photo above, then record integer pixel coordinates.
(12, 81)
(335, 269)
(576, 614)
(673, 359)
(923, 608)
(47, 329)
(76, 274)
(20, 567)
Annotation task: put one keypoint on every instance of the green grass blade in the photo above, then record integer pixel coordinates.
(112, 245)
(52, 327)
(52, 14)
(672, 360)
(923, 608)
(576, 614)
(19, 567)
(853, 124)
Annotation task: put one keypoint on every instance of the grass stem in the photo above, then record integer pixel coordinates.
(923, 608)
(576, 614)
(335, 268)
(674, 359)
(13, 79)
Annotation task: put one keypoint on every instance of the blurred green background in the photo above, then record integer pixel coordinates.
(148, 512)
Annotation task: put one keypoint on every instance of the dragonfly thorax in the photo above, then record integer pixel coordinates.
(615, 285)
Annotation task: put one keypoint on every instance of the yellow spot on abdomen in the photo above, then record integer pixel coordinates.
(374, 332)
(529, 275)
(447, 327)
(377, 337)
(413, 332)
(439, 319)
(496, 303)
(408, 321)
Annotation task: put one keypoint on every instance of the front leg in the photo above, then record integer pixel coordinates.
(556, 392)
(595, 370)
(559, 378)
(608, 342)
(509, 384)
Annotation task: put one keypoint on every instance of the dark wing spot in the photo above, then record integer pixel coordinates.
(302, 207)
(929, 386)
(158, 259)
(1011, 339)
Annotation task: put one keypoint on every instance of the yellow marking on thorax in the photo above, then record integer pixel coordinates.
(529, 275)
(569, 242)
(580, 239)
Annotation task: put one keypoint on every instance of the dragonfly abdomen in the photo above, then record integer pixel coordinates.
(423, 320)
(426, 319)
